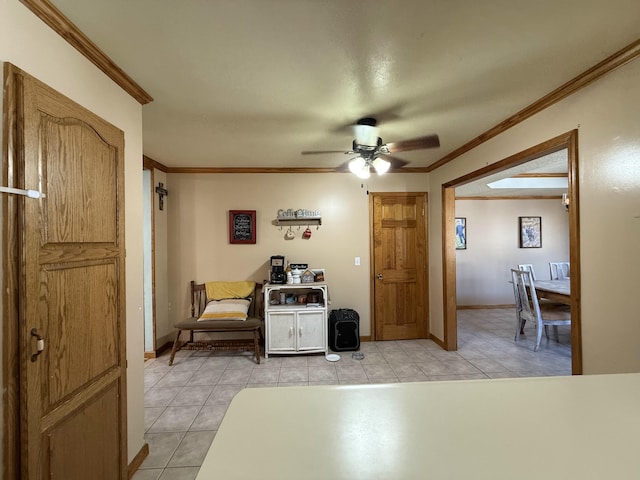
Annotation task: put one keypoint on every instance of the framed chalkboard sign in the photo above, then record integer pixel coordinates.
(242, 226)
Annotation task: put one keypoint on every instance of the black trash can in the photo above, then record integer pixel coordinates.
(344, 330)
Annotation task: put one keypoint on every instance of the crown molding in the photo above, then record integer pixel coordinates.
(60, 24)
(618, 59)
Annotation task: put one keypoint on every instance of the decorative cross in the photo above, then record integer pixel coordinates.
(161, 191)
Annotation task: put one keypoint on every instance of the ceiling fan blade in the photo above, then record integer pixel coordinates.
(395, 161)
(430, 141)
(317, 152)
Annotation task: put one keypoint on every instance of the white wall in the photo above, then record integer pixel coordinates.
(198, 230)
(482, 270)
(607, 116)
(32, 46)
(164, 325)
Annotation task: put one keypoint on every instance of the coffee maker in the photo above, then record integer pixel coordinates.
(277, 273)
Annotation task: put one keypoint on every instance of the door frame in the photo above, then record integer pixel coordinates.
(10, 278)
(568, 140)
(372, 280)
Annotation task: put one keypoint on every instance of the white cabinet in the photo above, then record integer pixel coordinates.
(293, 327)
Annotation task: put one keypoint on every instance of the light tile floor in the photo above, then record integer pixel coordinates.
(185, 403)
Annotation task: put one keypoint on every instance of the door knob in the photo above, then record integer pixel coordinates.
(379, 276)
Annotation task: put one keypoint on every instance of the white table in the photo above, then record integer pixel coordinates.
(583, 427)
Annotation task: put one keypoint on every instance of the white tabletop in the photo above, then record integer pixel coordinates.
(563, 287)
(583, 427)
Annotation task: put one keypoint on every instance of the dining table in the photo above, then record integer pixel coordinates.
(554, 290)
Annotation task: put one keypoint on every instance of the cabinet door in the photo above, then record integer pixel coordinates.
(281, 327)
(311, 331)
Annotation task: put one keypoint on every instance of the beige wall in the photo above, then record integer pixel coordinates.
(482, 270)
(30, 45)
(607, 116)
(199, 249)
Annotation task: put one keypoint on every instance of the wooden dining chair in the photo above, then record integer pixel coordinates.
(559, 270)
(528, 308)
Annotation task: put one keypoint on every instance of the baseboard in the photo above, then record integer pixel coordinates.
(365, 339)
(483, 307)
(158, 351)
(137, 460)
(437, 341)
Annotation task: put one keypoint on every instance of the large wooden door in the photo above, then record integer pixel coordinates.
(400, 278)
(71, 287)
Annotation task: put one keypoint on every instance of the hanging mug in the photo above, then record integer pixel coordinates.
(307, 233)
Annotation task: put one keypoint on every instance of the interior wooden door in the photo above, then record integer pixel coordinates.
(400, 278)
(71, 287)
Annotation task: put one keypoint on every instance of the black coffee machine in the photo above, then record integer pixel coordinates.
(278, 274)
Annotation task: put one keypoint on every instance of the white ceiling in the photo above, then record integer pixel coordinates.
(252, 83)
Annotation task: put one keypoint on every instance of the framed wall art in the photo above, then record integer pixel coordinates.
(242, 226)
(530, 231)
(461, 233)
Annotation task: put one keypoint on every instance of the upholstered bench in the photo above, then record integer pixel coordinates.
(218, 308)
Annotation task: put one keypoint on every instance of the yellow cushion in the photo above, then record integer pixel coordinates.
(221, 290)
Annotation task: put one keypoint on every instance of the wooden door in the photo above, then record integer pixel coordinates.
(400, 278)
(71, 287)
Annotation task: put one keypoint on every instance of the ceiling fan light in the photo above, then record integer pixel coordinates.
(356, 165)
(366, 135)
(381, 165)
(364, 172)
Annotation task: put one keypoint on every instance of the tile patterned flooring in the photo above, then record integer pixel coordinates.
(185, 403)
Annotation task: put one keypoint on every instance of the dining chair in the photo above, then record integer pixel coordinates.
(528, 308)
(559, 270)
(528, 268)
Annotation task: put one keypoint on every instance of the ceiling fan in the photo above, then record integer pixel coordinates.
(370, 152)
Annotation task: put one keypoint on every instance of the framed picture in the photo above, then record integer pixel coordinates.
(319, 274)
(242, 226)
(461, 233)
(530, 229)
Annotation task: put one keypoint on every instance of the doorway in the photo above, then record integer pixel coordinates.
(567, 141)
(148, 265)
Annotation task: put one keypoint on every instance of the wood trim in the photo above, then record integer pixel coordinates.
(541, 175)
(276, 170)
(372, 260)
(618, 59)
(567, 140)
(366, 338)
(484, 307)
(574, 256)
(449, 269)
(151, 164)
(515, 197)
(437, 341)
(11, 147)
(60, 24)
(137, 461)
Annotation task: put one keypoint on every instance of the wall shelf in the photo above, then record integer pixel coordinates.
(280, 221)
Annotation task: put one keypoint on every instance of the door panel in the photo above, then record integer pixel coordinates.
(400, 265)
(311, 330)
(71, 287)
